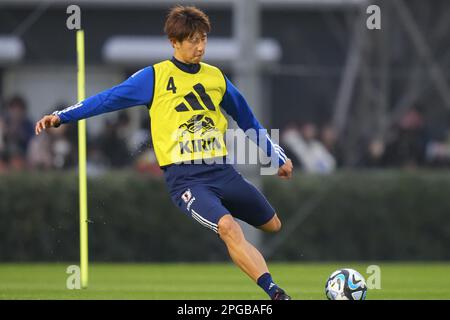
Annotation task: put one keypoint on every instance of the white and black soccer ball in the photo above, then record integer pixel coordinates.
(346, 284)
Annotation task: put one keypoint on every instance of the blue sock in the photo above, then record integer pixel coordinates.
(266, 283)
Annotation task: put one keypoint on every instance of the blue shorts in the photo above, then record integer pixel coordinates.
(208, 192)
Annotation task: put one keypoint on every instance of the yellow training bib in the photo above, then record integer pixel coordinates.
(186, 121)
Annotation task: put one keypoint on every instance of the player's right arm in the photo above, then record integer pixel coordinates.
(136, 90)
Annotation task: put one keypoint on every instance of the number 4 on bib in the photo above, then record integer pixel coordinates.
(171, 85)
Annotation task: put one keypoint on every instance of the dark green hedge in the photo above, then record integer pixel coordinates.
(132, 218)
(364, 215)
(347, 216)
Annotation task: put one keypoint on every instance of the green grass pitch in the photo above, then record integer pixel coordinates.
(303, 281)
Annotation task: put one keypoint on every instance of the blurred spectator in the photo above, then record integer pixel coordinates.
(16, 131)
(329, 139)
(438, 151)
(96, 162)
(374, 154)
(407, 148)
(3, 164)
(144, 154)
(141, 138)
(113, 142)
(310, 152)
(40, 152)
(54, 150)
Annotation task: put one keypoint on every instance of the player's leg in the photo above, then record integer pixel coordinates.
(202, 205)
(247, 257)
(243, 253)
(205, 207)
(248, 204)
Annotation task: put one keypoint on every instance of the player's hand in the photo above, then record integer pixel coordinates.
(50, 121)
(285, 171)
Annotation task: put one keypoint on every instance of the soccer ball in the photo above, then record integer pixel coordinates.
(346, 284)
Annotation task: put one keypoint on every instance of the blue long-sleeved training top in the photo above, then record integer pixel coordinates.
(137, 90)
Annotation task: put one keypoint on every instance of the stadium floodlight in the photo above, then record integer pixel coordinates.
(11, 49)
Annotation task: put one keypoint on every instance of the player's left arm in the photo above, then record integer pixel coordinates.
(237, 107)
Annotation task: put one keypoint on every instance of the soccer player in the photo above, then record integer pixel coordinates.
(183, 96)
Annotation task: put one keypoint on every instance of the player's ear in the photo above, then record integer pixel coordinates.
(174, 41)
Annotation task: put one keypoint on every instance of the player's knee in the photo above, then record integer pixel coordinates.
(229, 229)
(274, 225)
(277, 225)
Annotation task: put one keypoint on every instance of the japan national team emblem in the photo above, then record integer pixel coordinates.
(187, 195)
(197, 124)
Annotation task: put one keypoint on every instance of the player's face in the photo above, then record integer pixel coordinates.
(191, 50)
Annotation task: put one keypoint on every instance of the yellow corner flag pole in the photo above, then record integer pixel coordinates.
(82, 164)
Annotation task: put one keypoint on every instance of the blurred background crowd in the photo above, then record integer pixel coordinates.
(116, 146)
(412, 142)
